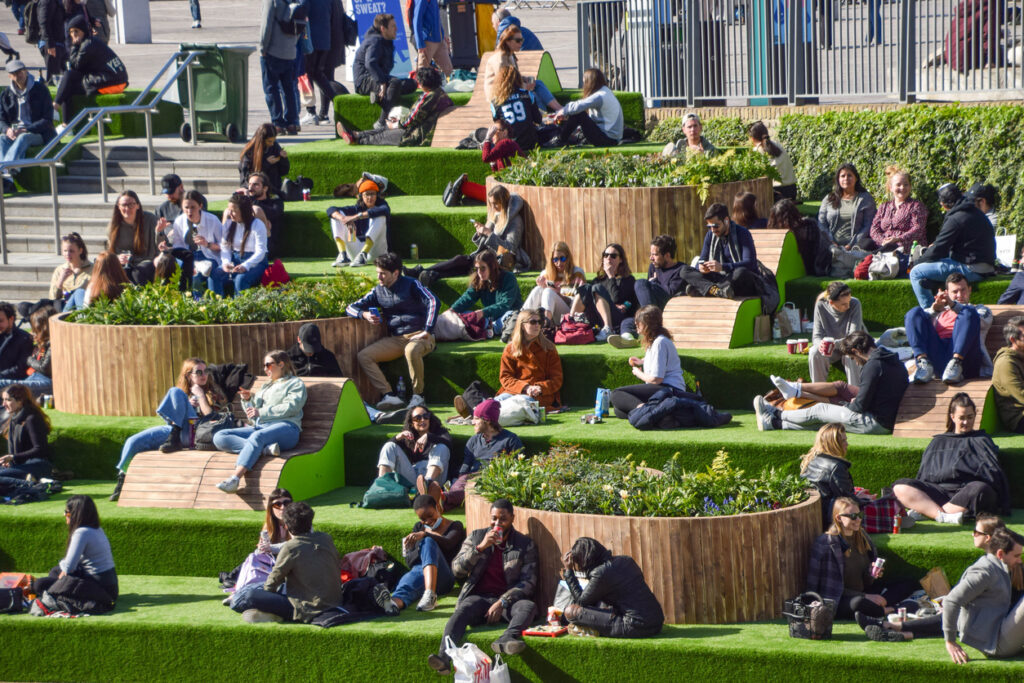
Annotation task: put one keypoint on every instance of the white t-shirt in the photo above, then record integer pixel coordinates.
(209, 228)
(662, 360)
(257, 243)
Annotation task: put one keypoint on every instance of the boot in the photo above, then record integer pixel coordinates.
(173, 442)
(117, 487)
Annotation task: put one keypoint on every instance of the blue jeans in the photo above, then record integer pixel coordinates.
(263, 600)
(410, 588)
(37, 467)
(249, 442)
(18, 10)
(75, 300)
(193, 6)
(650, 294)
(249, 278)
(175, 409)
(924, 340)
(37, 382)
(937, 271)
(280, 90)
(13, 150)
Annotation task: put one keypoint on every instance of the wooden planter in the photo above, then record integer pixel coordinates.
(703, 570)
(588, 218)
(126, 369)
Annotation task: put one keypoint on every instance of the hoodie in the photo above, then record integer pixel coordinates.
(274, 41)
(1008, 387)
(883, 379)
(530, 40)
(967, 237)
(510, 238)
(374, 60)
(31, 107)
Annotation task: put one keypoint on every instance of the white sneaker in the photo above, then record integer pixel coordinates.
(427, 602)
(273, 450)
(416, 400)
(309, 120)
(390, 402)
(61, 128)
(204, 268)
(341, 261)
(925, 373)
(950, 518)
(196, 24)
(255, 616)
(229, 485)
(915, 515)
(786, 388)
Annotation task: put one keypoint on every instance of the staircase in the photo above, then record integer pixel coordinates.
(211, 168)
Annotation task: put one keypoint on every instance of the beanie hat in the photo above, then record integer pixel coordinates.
(81, 24)
(367, 186)
(489, 410)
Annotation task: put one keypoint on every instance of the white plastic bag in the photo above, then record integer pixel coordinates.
(1006, 247)
(884, 266)
(470, 663)
(789, 319)
(500, 672)
(519, 410)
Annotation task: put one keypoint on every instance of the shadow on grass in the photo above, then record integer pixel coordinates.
(678, 632)
(130, 602)
(543, 669)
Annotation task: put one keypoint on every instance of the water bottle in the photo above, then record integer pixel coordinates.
(414, 252)
(400, 388)
(776, 332)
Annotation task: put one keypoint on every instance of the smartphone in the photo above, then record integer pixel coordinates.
(265, 536)
(374, 312)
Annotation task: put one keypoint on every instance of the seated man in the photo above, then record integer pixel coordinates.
(985, 197)
(417, 128)
(1008, 376)
(15, 345)
(94, 69)
(966, 244)
(26, 111)
(489, 440)
(272, 208)
(428, 552)
(309, 357)
(664, 274)
(883, 379)
(371, 71)
(949, 334)
(728, 260)
(408, 310)
(498, 569)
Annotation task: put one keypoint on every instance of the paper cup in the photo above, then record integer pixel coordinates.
(802, 345)
(791, 345)
(827, 344)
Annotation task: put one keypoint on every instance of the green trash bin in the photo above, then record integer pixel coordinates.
(220, 76)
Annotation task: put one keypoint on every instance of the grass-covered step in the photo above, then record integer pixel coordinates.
(90, 445)
(169, 628)
(185, 542)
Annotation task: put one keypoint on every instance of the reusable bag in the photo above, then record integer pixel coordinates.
(1006, 247)
(519, 410)
(469, 661)
(571, 332)
(387, 491)
(500, 672)
(809, 616)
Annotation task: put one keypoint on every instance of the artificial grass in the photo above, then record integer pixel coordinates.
(168, 628)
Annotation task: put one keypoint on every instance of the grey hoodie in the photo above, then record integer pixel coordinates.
(274, 41)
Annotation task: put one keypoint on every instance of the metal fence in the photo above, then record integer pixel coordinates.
(710, 51)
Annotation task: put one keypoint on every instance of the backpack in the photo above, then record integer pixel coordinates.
(298, 19)
(30, 13)
(571, 332)
(387, 491)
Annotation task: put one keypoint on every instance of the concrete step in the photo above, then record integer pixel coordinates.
(43, 225)
(89, 205)
(133, 151)
(78, 184)
(39, 243)
(24, 291)
(189, 169)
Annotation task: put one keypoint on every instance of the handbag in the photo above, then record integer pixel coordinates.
(571, 332)
(810, 616)
(387, 492)
(275, 275)
(213, 423)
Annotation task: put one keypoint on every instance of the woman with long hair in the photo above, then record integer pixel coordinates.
(901, 220)
(251, 574)
(837, 313)
(131, 235)
(194, 239)
(263, 154)
(243, 249)
(497, 291)
(420, 452)
(744, 211)
(556, 284)
(530, 363)
(960, 475)
(361, 230)
(40, 369)
(86, 577)
(847, 211)
(762, 142)
(71, 277)
(26, 429)
(108, 279)
(812, 245)
(512, 103)
(597, 114)
(275, 419)
(658, 369)
(509, 43)
(610, 298)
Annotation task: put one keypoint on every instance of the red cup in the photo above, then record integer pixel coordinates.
(827, 344)
(801, 345)
(791, 345)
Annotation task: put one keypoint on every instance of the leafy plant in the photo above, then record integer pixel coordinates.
(156, 304)
(565, 479)
(721, 132)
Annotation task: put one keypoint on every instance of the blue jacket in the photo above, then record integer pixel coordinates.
(673, 409)
(530, 40)
(406, 307)
(426, 22)
(375, 58)
(735, 251)
(320, 24)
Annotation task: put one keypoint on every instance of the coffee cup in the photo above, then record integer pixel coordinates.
(801, 345)
(791, 346)
(827, 344)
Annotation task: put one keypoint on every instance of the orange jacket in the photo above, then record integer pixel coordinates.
(535, 366)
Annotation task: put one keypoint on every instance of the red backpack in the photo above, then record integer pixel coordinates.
(571, 332)
(275, 275)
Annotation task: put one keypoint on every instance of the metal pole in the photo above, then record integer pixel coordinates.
(3, 229)
(192, 104)
(149, 151)
(56, 208)
(908, 51)
(103, 156)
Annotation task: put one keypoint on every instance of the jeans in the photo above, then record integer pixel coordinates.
(37, 382)
(75, 300)
(264, 601)
(12, 150)
(394, 457)
(249, 442)
(937, 271)
(37, 467)
(175, 409)
(966, 340)
(280, 91)
(611, 625)
(18, 10)
(472, 611)
(410, 588)
(824, 413)
(193, 6)
(543, 94)
(241, 281)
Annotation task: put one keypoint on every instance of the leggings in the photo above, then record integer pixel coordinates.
(625, 399)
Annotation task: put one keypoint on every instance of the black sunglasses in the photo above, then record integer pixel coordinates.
(280, 503)
(851, 515)
(421, 416)
(610, 254)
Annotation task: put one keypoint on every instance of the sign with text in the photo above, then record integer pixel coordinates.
(366, 11)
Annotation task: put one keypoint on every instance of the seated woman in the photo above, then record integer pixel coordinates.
(900, 221)
(40, 364)
(497, 150)
(517, 107)
(275, 419)
(108, 279)
(609, 298)
(194, 240)
(744, 211)
(201, 392)
(421, 450)
(263, 154)
(71, 277)
(26, 429)
(837, 313)
(530, 364)
(418, 128)
(659, 368)
(960, 475)
(847, 211)
(93, 68)
(243, 249)
(597, 114)
(361, 230)
(812, 245)
(509, 43)
(497, 291)
(254, 571)
(132, 236)
(428, 552)
(692, 142)
(556, 284)
(86, 576)
(761, 141)
(616, 602)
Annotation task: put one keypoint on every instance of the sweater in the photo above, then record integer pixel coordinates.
(967, 237)
(906, 223)
(281, 400)
(124, 240)
(310, 568)
(537, 365)
(89, 550)
(506, 297)
(734, 250)
(669, 279)
(603, 108)
(479, 451)
(26, 439)
(883, 379)
(405, 307)
(977, 605)
(1008, 387)
(71, 283)
(828, 322)
(98, 64)
(863, 215)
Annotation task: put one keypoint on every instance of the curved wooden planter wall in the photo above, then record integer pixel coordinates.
(587, 218)
(703, 570)
(126, 369)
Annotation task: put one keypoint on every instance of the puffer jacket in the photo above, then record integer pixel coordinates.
(519, 559)
(673, 409)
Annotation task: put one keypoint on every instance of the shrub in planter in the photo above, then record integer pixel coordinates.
(565, 479)
(721, 132)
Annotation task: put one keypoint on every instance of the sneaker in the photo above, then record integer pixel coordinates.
(765, 414)
(433, 489)
(915, 515)
(954, 372)
(342, 260)
(293, 130)
(883, 635)
(309, 119)
(461, 407)
(273, 450)
(226, 601)
(452, 195)
(508, 645)
(229, 485)
(623, 341)
(427, 602)
(925, 373)
(722, 291)
(61, 128)
(196, 24)
(390, 402)
(359, 260)
(786, 388)
(603, 334)
(950, 518)
(382, 596)
(693, 290)
(440, 664)
(416, 400)
(864, 620)
(428, 277)
(255, 616)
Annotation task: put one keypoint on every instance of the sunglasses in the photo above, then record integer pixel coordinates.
(851, 515)
(610, 254)
(281, 503)
(532, 321)
(422, 417)
(978, 533)
(559, 259)
(710, 226)
(516, 40)
(268, 364)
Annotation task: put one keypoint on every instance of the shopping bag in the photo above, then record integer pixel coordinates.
(1006, 247)
(935, 583)
(519, 410)
(499, 672)
(469, 661)
(763, 328)
(789, 319)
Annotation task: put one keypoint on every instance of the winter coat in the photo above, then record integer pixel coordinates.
(967, 237)
(1008, 387)
(406, 307)
(274, 172)
(537, 365)
(40, 104)
(98, 64)
(826, 570)
(673, 409)
(735, 250)
(519, 558)
(831, 476)
(953, 460)
(320, 23)
(511, 238)
(418, 128)
(374, 60)
(336, 53)
(618, 582)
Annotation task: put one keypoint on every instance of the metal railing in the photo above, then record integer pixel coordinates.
(96, 117)
(709, 51)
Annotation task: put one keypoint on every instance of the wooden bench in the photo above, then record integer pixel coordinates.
(458, 122)
(188, 479)
(713, 323)
(922, 411)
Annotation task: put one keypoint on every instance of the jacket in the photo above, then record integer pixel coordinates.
(863, 215)
(231, 377)
(883, 379)
(15, 348)
(273, 41)
(274, 172)
(420, 124)
(406, 307)
(320, 23)
(281, 400)
(537, 365)
(498, 155)
(506, 297)
(426, 22)
(310, 568)
(673, 409)
(1008, 387)
(530, 40)
(40, 361)
(977, 605)
(40, 104)
(321, 364)
(906, 223)
(830, 475)
(510, 238)
(374, 60)
(826, 568)
(98, 64)
(618, 582)
(828, 322)
(362, 225)
(51, 22)
(519, 558)
(967, 237)
(26, 439)
(336, 53)
(735, 250)
(479, 451)
(952, 461)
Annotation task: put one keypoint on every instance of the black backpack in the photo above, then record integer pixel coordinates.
(30, 13)
(298, 19)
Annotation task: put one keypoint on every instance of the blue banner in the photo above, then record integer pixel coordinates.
(366, 11)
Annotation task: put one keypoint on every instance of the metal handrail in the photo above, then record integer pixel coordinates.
(99, 115)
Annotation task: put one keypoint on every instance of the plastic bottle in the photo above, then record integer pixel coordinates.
(400, 388)
(414, 252)
(776, 332)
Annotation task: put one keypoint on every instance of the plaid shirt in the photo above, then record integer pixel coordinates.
(825, 571)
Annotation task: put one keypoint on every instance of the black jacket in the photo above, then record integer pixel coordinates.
(98, 64)
(40, 105)
(15, 348)
(322, 364)
(883, 379)
(518, 558)
(619, 583)
(953, 460)
(336, 55)
(966, 236)
(274, 172)
(831, 476)
(671, 409)
(27, 437)
(374, 60)
(51, 22)
(231, 377)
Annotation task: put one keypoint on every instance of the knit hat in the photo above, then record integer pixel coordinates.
(489, 410)
(81, 24)
(368, 186)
